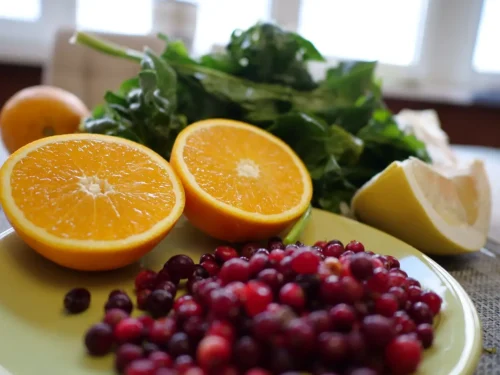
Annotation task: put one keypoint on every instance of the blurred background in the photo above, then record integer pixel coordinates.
(440, 54)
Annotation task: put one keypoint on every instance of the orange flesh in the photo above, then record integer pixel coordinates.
(72, 190)
(245, 170)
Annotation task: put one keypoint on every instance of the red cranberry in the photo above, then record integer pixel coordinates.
(169, 286)
(398, 271)
(292, 294)
(211, 267)
(333, 250)
(116, 292)
(305, 262)
(403, 355)
(170, 371)
(207, 256)
(159, 303)
(321, 244)
(400, 295)
(432, 300)
(183, 363)
(290, 249)
(249, 249)
(414, 293)
(99, 339)
(164, 275)
(386, 305)
(119, 301)
(257, 371)
(247, 352)
(411, 281)
(128, 330)
(275, 243)
(146, 321)
(180, 266)
(162, 330)
(188, 309)
(114, 316)
(361, 266)
(179, 344)
(299, 335)
(77, 300)
(265, 325)
(179, 301)
(199, 271)
(161, 359)
(332, 347)
(195, 327)
(234, 270)
(342, 317)
(224, 304)
(356, 346)
(141, 367)
(392, 262)
(379, 282)
(421, 313)
(320, 321)
(262, 251)
(125, 354)
(425, 334)
(271, 277)
(145, 279)
(142, 297)
(257, 297)
(237, 288)
(378, 330)
(204, 289)
(223, 329)
(275, 256)
(149, 347)
(257, 263)
(191, 371)
(224, 253)
(395, 279)
(282, 361)
(213, 352)
(285, 267)
(355, 247)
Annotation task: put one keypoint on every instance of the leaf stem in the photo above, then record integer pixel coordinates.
(106, 47)
(298, 227)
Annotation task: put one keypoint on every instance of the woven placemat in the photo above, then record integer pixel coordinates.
(479, 275)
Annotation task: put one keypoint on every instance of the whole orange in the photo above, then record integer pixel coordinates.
(39, 111)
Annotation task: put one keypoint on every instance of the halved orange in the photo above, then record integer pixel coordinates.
(90, 202)
(241, 182)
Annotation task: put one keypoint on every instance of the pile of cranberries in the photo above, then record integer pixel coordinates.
(324, 309)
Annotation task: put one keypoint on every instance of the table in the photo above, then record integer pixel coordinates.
(478, 273)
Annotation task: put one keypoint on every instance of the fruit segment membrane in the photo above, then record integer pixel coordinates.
(91, 190)
(257, 176)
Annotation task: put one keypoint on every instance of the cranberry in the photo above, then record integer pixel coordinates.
(378, 330)
(146, 321)
(356, 346)
(116, 292)
(247, 352)
(285, 267)
(299, 335)
(361, 266)
(386, 305)
(125, 354)
(271, 278)
(249, 249)
(305, 262)
(234, 270)
(224, 253)
(199, 271)
(403, 323)
(403, 355)
(159, 303)
(114, 316)
(398, 271)
(400, 295)
(207, 256)
(425, 334)
(211, 267)
(179, 301)
(265, 325)
(169, 286)
(282, 361)
(99, 339)
(290, 249)
(392, 262)
(379, 282)
(141, 367)
(119, 301)
(275, 256)
(275, 243)
(237, 288)
(189, 309)
(149, 347)
(395, 279)
(142, 297)
(257, 297)
(145, 279)
(180, 266)
(257, 371)
(164, 275)
(204, 289)
(421, 313)
(332, 347)
(257, 263)
(213, 352)
(191, 371)
(195, 327)
(333, 250)
(224, 304)
(432, 300)
(321, 244)
(414, 293)
(183, 363)
(320, 321)
(355, 247)
(77, 300)
(169, 371)
(342, 317)
(179, 344)
(162, 330)
(292, 294)
(333, 265)
(262, 251)
(160, 359)
(411, 281)
(128, 330)
(223, 329)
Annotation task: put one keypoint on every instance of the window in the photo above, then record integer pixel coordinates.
(218, 18)
(21, 10)
(384, 30)
(115, 16)
(486, 56)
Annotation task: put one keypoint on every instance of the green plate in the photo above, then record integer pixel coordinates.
(36, 337)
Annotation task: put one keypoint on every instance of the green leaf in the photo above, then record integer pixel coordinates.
(307, 49)
(345, 147)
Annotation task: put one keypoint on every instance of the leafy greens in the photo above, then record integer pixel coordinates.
(339, 126)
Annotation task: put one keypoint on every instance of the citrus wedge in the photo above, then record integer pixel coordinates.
(241, 182)
(90, 202)
(438, 212)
